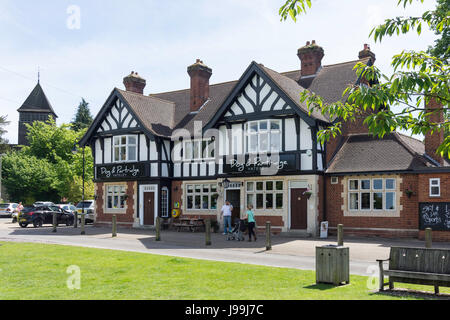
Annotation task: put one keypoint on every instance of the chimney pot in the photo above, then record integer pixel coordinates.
(134, 83)
(200, 75)
(311, 58)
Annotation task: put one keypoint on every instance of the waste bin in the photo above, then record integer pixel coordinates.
(332, 265)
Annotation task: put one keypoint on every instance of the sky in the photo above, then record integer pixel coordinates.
(85, 48)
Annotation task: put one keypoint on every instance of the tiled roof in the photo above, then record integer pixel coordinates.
(293, 90)
(364, 153)
(164, 112)
(156, 114)
(37, 102)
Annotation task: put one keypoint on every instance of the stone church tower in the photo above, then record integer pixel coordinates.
(35, 108)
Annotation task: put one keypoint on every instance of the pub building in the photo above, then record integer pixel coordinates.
(252, 141)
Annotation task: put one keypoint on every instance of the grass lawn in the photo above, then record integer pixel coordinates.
(35, 271)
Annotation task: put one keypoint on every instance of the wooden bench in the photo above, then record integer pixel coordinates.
(192, 225)
(417, 266)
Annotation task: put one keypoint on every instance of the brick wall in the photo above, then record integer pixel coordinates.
(406, 225)
(124, 219)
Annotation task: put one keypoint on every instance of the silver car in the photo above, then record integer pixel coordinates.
(7, 209)
(88, 207)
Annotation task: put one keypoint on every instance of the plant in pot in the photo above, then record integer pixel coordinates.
(308, 193)
(409, 193)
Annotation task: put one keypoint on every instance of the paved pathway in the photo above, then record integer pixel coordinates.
(288, 252)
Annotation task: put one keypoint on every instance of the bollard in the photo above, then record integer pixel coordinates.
(268, 236)
(83, 222)
(208, 232)
(55, 222)
(341, 235)
(428, 238)
(75, 221)
(114, 226)
(158, 229)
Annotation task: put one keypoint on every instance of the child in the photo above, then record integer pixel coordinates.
(250, 216)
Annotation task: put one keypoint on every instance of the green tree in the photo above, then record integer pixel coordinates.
(83, 118)
(48, 169)
(418, 78)
(441, 48)
(3, 142)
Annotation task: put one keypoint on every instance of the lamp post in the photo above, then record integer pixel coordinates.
(83, 219)
(1, 178)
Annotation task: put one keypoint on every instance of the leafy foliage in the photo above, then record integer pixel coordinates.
(3, 142)
(418, 79)
(47, 170)
(83, 118)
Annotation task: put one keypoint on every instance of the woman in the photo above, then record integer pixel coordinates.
(250, 216)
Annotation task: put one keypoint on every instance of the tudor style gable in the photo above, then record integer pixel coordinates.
(118, 117)
(257, 97)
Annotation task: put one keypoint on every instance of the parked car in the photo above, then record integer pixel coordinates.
(43, 203)
(88, 206)
(69, 208)
(40, 215)
(7, 209)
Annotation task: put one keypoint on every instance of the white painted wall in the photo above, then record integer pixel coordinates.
(143, 153)
(290, 135)
(108, 149)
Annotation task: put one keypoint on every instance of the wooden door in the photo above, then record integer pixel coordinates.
(234, 196)
(149, 208)
(299, 210)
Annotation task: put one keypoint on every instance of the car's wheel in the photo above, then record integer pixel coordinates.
(23, 225)
(37, 223)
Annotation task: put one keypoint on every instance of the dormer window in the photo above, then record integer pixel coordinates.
(125, 148)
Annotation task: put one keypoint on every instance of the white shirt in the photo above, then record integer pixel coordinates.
(227, 210)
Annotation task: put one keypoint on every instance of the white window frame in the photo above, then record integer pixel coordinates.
(200, 154)
(114, 194)
(264, 192)
(438, 185)
(372, 191)
(127, 145)
(210, 194)
(270, 133)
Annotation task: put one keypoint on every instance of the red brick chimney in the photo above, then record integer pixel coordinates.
(366, 53)
(134, 83)
(434, 140)
(311, 57)
(200, 75)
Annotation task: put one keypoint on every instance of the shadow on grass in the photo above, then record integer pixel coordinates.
(321, 287)
(406, 293)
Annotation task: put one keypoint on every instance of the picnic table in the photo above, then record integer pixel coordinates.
(189, 224)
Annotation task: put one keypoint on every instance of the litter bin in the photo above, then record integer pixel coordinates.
(332, 265)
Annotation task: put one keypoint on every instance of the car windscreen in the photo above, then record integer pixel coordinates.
(29, 209)
(4, 205)
(85, 204)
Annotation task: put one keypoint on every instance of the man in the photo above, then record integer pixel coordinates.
(226, 211)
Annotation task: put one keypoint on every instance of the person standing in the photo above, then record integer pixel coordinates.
(250, 216)
(226, 211)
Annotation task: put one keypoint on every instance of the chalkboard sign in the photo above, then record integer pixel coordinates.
(435, 216)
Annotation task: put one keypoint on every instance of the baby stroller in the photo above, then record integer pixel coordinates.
(238, 230)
